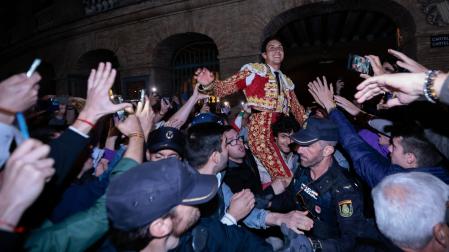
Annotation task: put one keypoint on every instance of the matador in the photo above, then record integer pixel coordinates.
(269, 93)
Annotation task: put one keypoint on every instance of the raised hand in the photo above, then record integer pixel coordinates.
(98, 102)
(406, 87)
(204, 76)
(129, 126)
(181, 116)
(350, 107)
(241, 204)
(24, 177)
(165, 106)
(145, 114)
(197, 94)
(17, 94)
(407, 63)
(322, 93)
(376, 65)
(339, 85)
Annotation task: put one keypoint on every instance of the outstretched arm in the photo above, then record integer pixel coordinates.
(297, 109)
(225, 87)
(180, 117)
(405, 94)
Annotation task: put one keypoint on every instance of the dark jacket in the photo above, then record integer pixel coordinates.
(65, 150)
(10, 241)
(368, 163)
(81, 196)
(212, 235)
(81, 230)
(244, 175)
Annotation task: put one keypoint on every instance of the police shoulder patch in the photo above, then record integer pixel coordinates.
(345, 207)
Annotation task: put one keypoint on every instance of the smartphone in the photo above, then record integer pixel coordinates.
(54, 104)
(121, 114)
(359, 64)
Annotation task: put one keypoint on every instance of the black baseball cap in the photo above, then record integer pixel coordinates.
(315, 129)
(149, 191)
(166, 138)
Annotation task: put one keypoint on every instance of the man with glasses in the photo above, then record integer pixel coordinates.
(242, 171)
(322, 188)
(242, 174)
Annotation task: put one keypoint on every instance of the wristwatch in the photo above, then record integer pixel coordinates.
(316, 245)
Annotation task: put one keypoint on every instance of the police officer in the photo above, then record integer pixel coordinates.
(321, 187)
(165, 142)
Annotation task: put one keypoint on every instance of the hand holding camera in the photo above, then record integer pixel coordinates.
(98, 102)
(145, 114)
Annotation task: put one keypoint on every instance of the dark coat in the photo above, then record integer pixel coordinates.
(368, 163)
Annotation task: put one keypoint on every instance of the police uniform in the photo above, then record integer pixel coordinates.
(333, 200)
(335, 204)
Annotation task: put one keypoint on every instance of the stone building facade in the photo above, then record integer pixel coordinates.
(142, 37)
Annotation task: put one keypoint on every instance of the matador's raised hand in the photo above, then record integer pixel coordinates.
(204, 76)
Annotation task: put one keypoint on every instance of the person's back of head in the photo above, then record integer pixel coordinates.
(203, 140)
(411, 210)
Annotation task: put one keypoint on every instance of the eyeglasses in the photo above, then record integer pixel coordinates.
(300, 200)
(234, 141)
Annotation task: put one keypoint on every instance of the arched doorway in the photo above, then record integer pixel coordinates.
(178, 56)
(319, 37)
(77, 79)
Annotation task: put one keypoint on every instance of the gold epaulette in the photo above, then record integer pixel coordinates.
(257, 68)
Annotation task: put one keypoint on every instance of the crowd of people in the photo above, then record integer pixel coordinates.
(177, 174)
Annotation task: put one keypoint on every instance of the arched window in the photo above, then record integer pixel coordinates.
(189, 58)
(77, 79)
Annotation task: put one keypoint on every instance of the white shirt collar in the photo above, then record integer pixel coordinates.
(274, 70)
